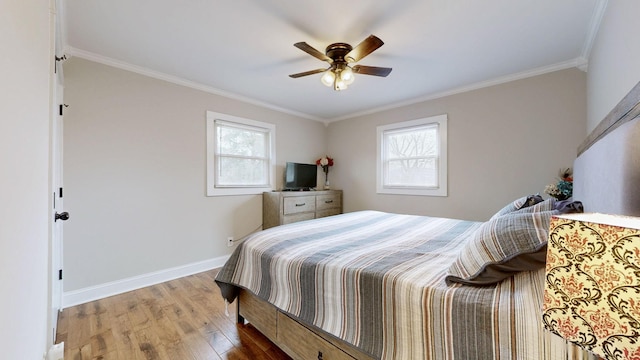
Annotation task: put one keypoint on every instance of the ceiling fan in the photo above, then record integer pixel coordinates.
(340, 56)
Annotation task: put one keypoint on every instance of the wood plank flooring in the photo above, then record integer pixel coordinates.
(182, 319)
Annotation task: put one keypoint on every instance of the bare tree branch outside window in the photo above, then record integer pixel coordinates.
(412, 156)
(242, 157)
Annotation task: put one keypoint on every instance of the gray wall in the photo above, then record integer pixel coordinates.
(24, 180)
(614, 69)
(134, 164)
(504, 141)
(614, 63)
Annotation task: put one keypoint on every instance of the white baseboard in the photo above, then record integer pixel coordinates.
(81, 296)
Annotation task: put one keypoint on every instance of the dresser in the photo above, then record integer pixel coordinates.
(285, 207)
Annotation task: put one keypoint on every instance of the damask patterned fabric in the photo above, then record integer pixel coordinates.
(592, 287)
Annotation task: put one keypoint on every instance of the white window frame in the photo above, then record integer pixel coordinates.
(441, 189)
(270, 129)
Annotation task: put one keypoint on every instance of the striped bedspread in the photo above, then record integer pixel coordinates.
(376, 280)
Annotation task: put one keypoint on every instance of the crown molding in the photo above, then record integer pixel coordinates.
(596, 20)
(87, 55)
(578, 62)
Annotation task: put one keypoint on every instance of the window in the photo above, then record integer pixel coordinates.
(240, 155)
(412, 157)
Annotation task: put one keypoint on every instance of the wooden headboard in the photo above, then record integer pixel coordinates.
(607, 170)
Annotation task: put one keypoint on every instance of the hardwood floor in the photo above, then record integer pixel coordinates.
(182, 319)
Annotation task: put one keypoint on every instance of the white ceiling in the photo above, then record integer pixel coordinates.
(244, 48)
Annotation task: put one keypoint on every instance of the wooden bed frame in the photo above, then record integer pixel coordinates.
(300, 341)
(303, 341)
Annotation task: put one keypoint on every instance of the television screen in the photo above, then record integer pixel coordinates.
(300, 176)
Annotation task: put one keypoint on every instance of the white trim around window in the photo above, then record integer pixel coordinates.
(264, 157)
(429, 181)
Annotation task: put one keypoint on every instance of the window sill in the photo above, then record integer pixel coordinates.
(236, 191)
(417, 192)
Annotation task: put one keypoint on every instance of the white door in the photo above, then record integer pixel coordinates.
(58, 209)
(57, 191)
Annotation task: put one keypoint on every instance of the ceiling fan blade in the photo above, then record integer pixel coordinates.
(316, 71)
(371, 70)
(366, 47)
(312, 51)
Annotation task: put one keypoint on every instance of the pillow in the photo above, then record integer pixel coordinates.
(503, 246)
(569, 206)
(545, 205)
(518, 204)
(563, 207)
(510, 243)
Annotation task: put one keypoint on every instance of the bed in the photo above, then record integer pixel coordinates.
(374, 285)
(383, 284)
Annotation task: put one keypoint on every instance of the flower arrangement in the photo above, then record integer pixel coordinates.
(325, 162)
(563, 189)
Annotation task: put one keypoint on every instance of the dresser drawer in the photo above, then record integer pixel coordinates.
(288, 219)
(328, 202)
(327, 212)
(298, 204)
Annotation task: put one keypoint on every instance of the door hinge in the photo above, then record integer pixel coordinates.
(60, 274)
(60, 192)
(61, 58)
(62, 106)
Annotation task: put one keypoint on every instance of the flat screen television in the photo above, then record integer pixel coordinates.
(299, 177)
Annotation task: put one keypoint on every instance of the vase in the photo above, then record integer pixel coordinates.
(326, 181)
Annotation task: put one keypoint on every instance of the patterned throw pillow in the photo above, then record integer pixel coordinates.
(503, 246)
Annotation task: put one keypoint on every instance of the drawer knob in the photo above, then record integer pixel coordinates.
(328, 201)
(303, 204)
(319, 355)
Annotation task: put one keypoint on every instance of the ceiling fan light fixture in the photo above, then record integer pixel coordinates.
(347, 75)
(340, 85)
(328, 78)
(340, 75)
